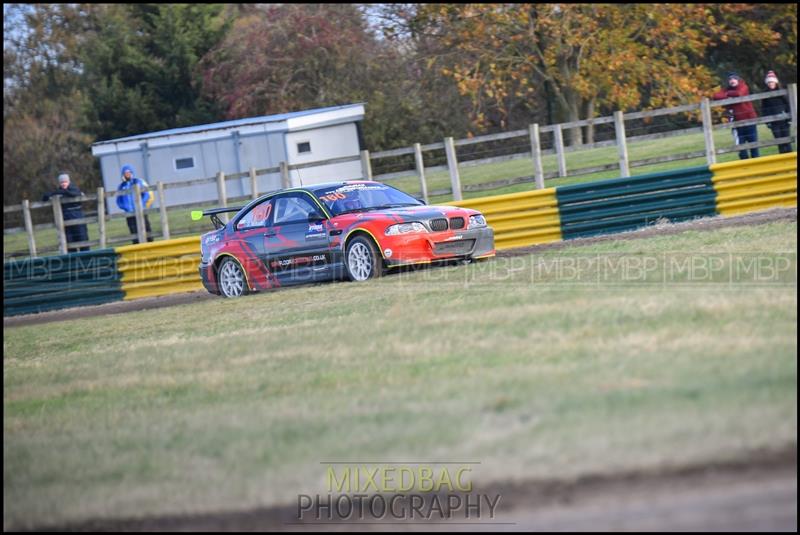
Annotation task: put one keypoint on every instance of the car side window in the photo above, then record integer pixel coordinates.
(258, 216)
(294, 208)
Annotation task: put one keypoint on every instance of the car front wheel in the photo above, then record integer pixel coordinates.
(363, 260)
(232, 282)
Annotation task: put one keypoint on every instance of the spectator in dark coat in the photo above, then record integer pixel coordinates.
(741, 111)
(775, 106)
(71, 211)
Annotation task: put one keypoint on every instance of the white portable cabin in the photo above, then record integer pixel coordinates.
(202, 151)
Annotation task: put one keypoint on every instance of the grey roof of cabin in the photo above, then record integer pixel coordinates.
(229, 124)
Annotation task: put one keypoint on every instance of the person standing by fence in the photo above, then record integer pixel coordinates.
(70, 211)
(775, 106)
(741, 111)
(125, 201)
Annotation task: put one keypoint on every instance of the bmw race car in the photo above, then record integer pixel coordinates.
(355, 230)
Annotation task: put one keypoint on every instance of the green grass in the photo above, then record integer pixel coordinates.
(181, 224)
(230, 404)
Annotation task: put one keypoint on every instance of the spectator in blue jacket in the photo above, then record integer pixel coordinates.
(70, 211)
(125, 201)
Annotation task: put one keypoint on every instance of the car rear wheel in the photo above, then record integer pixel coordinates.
(363, 260)
(232, 282)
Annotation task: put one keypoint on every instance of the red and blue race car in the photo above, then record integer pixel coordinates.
(355, 230)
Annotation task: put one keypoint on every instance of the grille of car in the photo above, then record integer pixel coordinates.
(456, 223)
(438, 225)
(453, 247)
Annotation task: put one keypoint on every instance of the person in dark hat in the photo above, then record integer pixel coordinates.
(741, 111)
(775, 106)
(71, 211)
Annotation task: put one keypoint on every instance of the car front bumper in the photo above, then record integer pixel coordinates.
(429, 247)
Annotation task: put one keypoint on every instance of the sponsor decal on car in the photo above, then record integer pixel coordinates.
(283, 263)
(211, 238)
(315, 231)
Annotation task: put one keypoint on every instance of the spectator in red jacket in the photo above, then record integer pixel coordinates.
(741, 111)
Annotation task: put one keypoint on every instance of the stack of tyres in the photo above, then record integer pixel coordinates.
(55, 282)
(623, 204)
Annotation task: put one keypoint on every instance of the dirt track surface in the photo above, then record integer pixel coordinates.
(768, 216)
(119, 307)
(758, 493)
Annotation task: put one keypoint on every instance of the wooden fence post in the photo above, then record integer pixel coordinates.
(58, 218)
(792, 90)
(141, 230)
(162, 209)
(622, 145)
(558, 138)
(286, 181)
(708, 131)
(420, 164)
(366, 165)
(253, 184)
(101, 216)
(26, 216)
(536, 156)
(222, 197)
(452, 167)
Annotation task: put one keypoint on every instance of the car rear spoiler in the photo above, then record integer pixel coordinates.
(197, 215)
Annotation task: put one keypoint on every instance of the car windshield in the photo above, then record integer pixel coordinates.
(363, 197)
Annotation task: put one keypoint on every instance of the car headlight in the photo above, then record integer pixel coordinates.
(476, 221)
(405, 228)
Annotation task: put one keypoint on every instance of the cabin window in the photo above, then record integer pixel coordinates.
(184, 163)
(305, 146)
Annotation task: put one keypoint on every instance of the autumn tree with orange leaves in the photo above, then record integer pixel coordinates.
(581, 58)
(79, 73)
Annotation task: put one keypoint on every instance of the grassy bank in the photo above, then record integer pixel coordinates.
(640, 150)
(230, 404)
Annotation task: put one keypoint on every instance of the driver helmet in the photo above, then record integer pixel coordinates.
(351, 204)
